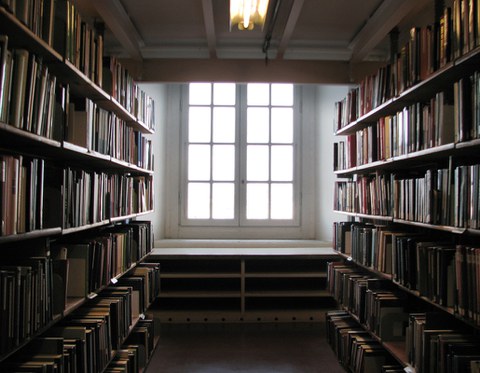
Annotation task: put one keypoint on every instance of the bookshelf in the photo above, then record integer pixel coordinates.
(76, 178)
(407, 169)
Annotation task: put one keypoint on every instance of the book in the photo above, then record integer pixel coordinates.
(79, 259)
(80, 122)
(19, 86)
(4, 70)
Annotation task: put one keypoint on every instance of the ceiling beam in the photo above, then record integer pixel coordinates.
(387, 16)
(251, 70)
(209, 27)
(289, 27)
(118, 21)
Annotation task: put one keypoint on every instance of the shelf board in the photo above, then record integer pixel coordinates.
(138, 214)
(287, 293)
(199, 294)
(370, 269)
(468, 145)
(285, 275)
(191, 275)
(81, 85)
(436, 82)
(397, 349)
(31, 235)
(445, 228)
(117, 219)
(84, 227)
(25, 136)
(72, 303)
(366, 216)
(31, 338)
(20, 36)
(430, 154)
(129, 166)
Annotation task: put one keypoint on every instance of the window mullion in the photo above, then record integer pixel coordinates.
(241, 152)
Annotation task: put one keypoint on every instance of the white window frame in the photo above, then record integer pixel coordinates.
(302, 226)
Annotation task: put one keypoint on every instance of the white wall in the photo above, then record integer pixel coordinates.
(159, 94)
(326, 96)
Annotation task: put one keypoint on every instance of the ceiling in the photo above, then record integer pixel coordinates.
(309, 30)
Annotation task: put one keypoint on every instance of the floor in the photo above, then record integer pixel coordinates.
(249, 348)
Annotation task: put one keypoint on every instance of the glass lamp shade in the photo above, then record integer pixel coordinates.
(246, 14)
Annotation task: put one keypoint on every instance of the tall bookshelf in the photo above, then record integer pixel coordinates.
(76, 177)
(407, 181)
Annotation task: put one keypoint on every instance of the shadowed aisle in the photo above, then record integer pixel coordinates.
(252, 348)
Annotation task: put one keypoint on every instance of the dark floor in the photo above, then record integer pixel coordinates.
(252, 348)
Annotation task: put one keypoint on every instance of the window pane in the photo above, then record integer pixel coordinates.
(258, 125)
(282, 163)
(282, 94)
(257, 201)
(282, 201)
(224, 124)
(199, 162)
(223, 200)
(199, 124)
(198, 201)
(223, 163)
(258, 94)
(257, 163)
(224, 94)
(282, 125)
(200, 93)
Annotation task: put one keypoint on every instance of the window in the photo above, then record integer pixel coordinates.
(241, 166)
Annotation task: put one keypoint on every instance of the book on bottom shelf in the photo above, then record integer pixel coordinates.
(355, 348)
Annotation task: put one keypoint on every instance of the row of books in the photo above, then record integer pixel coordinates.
(144, 108)
(425, 350)
(82, 41)
(432, 345)
(93, 197)
(467, 108)
(416, 127)
(376, 304)
(38, 288)
(91, 263)
(38, 16)
(355, 348)
(29, 93)
(136, 351)
(366, 194)
(445, 196)
(100, 130)
(29, 184)
(435, 345)
(27, 295)
(70, 348)
(428, 49)
(25, 177)
(60, 25)
(119, 83)
(444, 272)
(33, 99)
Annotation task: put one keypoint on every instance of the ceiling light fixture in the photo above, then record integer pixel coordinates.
(248, 13)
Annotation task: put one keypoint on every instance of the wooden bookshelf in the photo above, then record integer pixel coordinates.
(36, 159)
(439, 228)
